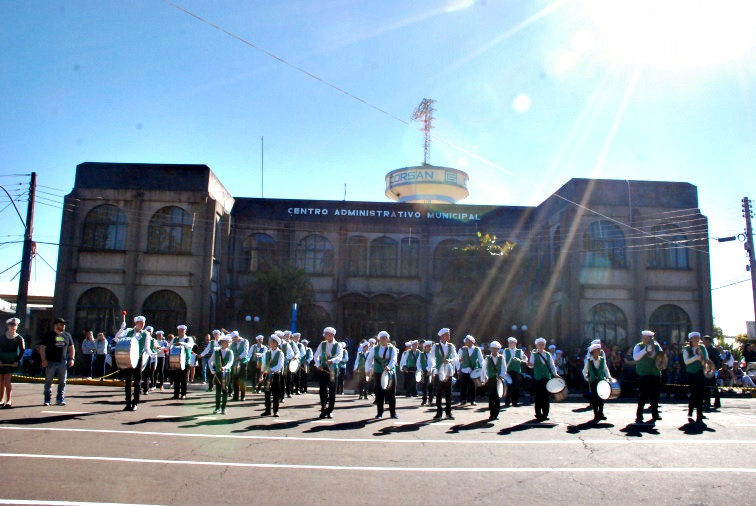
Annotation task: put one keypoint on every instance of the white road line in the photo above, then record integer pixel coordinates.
(579, 442)
(207, 418)
(66, 412)
(168, 416)
(392, 468)
(69, 503)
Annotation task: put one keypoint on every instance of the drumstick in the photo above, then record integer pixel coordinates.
(123, 315)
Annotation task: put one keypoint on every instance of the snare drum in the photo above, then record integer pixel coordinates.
(177, 358)
(501, 388)
(557, 388)
(387, 380)
(608, 390)
(445, 372)
(418, 376)
(127, 353)
(294, 365)
(478, 378)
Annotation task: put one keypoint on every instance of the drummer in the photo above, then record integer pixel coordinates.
(221, 362)
(240, 347)
(444, 353)
(255, 357)
(342, 368)
(595, 370)
(162, 347)
(181, 377)
(382, 360)
(426, 364)
(272, 366)
(513, 360)
(206, 355)
(648, 374)
(296, 378)
(305, 359)
(470, 358)
(359, 369)
(408, 365)
(494, 372)
(327, 357)
(133, 375)
(695, 356)
(543, 370)
(291, 352)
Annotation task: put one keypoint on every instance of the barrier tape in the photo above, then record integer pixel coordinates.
(745, 389)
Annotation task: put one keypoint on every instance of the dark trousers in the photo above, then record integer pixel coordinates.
(597, 403)
(466, 388)
(254, 375)
(327, 392)
(513, 390)
(160, 372)
(542, 399)
(272, 394)
(697, 385)
(427, 387)
(240, 381)
(132, 377)
(710, 391)
(148, 376)
(362, 384)
(648, 392)
(87, 365)
(443, 391)
(99, 367)
(410, 385)
(222, 385)
(494, 401)
(383, 396)
(302, 373)
(340, 380)
(180, 379)
(287, 378)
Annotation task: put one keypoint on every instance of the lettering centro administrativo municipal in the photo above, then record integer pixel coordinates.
(378, 213)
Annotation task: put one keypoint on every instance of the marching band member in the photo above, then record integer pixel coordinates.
(371, 380)
(162, 345)
(494, 371)
(408, 366)
(240, 347)
(181, 378)
(342, 368)
(695, 356)
(327, 356)
(383, 358)
(427, 364)
(444, 352)
(359, 369)
(290, 352)
(256, 359)
(649, 375)
(296, 378)
(543, 371)
(208, 352)
(595, 370)
(513, 360)
(470, 358)
(304, 366)
(221, 362)
(272, 367)
(133, 376)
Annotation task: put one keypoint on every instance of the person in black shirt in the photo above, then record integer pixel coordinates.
(57, 355)
(711, 383)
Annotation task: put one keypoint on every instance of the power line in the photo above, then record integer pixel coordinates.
(731, 284)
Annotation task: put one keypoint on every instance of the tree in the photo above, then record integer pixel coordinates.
(272, 293)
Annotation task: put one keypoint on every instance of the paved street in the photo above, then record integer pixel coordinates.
(177, 452)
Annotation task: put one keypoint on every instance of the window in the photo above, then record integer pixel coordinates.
(314, 255)
(383, 252)
(312, 320)
(604, 244)
(98, 310)
(443, 256)
(170, 231)
(667, 249)
(258, 253)
(165, 310)
(104, 229)
(670, 323)
(608, 323)
(357, 256)
(409, 262)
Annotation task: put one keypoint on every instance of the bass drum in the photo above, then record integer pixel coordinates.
(127, 353)
(445, 372)
(478, 378)
(294, 365)
(557, 388)
(387, 380)
(177, 358)
(607, 390)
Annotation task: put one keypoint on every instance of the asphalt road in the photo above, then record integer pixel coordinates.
(177, 452)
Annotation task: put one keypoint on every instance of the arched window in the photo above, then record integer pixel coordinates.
(314, 255)
(357, 256)
(409, 262)
(98, 310)
(164, 310)
(356, 315)
(312, 320)
(104, 229)
(258, 253)
(667, 248)
(410, 318)
(608, 323)
(170, 231)
(443, 256)
(670, 323)
(604, 244)
(383, 315)
(383, 251)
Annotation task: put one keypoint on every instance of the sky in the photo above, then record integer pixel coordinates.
(320, 94)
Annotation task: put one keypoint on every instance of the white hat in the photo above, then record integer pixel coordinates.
(287, 332)
(233, 333)
(383, 333)
(305, 341)
(159, 332)
(366, 343)
(648, 333)
(596, 341)
(149, 328)
(296, 334)
(559, 352)
(274, 337)
(443, 331)
(593, 347)
(224, 338)
(407, 344)
(427, 343)
(140, 319)
(216, 331)
(329, 330)
(495, 345)
(511, 340)
(552, 346)
(181, 327)
(470, 338)
(279, 333)
(694, 334)
(371, 340)
(540, 340)
(259, 337)
(12, 320)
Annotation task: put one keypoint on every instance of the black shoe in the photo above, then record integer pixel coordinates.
(492, 418)
(235, 399)
(127, 407)
(422, 403)
(394, 417)
(322, 415)
(602, 417)
(275, 414)
(449, 416)
(437, 417)
(657, 418)
(379, 415)
(639, 420)
(134, 407)
(329, 415)
(473, 403)
(265, 413)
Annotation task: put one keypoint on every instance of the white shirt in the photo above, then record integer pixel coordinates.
(329, 352)
(473, 352)
(382, 351)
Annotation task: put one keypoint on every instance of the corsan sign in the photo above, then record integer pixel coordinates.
(383, 214)
(407, 176)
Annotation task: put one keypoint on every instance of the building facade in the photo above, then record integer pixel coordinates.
(598, 259)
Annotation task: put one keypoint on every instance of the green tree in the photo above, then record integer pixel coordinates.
(272, 293)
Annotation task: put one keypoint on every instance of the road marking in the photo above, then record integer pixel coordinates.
(207, 418)
(169, 416)
(579, 442)
(392, 468)
(68, 503)
(66, 412)
(321, 421)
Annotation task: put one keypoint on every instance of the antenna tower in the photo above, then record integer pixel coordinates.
(424, 113)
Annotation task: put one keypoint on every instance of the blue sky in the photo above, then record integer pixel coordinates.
(529, 95)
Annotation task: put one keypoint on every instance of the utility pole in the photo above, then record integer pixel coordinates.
(26, 257)
(748, 214)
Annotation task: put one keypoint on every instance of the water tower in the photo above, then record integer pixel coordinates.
(426, 183)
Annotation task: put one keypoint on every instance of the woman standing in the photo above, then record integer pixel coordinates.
(11, 351)
(101, 351)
